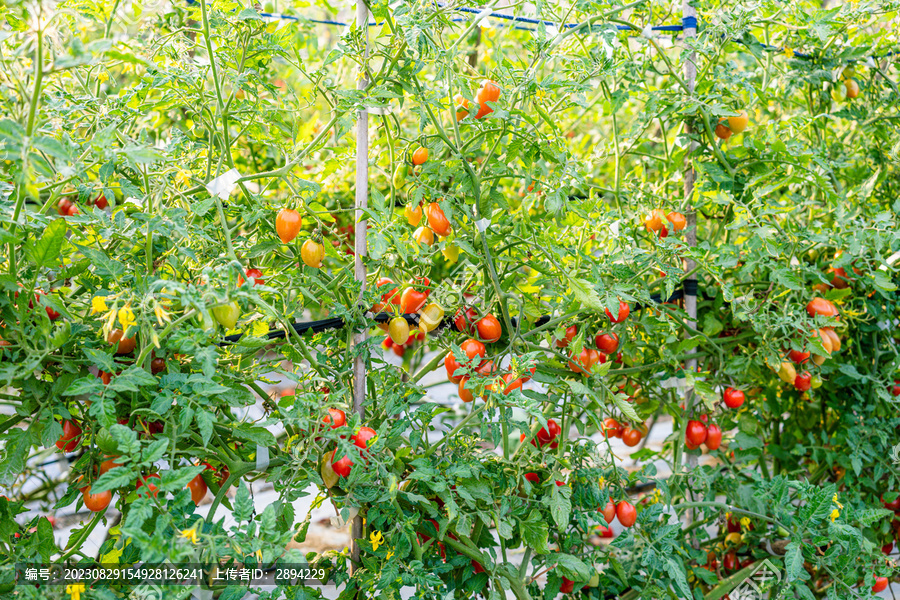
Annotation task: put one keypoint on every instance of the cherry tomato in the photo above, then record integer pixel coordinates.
(343, 466)
(631, 437)
(72, 211)
(473, 348)
(412, 300)
(424, 236)
(287, 224)
(677, 220)
(713, 437)
(390, 292)
(609, 511)
(198, 489)
(109, 463)
(803, 381)
(124, 345)
(881, 583)
(821, 306)
(489, 328)
(739, 122)
(624, 311)
(511, 383)
(157, 365)
(462, 107)
(489, 91)
(654, 221)
(852, 90)
(451, 365)
(798, 356)
(465, 321)
(430, 317)
(583, 362)
(571, 332)
(437, 221)
(96, 502)
(832, 335)
(607, 343)
(893, 505)
(722, 130)
(420, 155)
(566, 586)
(532, 478)
(730, 563)
(626, 513)
(413, 215)
(312, 253)
(63, 206)
(398, 329)
(335, 418)
(733, 398)
(465, 394)
(227, 314)
(151, 487)
(612, 428)
(101, 202)
(696, 433)
(70, 437)
(362, 437)
(476, 567)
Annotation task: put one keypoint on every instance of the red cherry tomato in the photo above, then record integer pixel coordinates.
(473, 348)
(733, 398)
(464, 321)
(609, 511)
(343, 466)
(571, 332)
(607, 343)
(335, 418)
(361, 438)
(803, 381)
(624, 311)
(151, 487)
(881, 584)
(631, 437)
(626, 513)
(713, 437)
(612, 428)
(532, 478)
(255, 275)
(198, 489)
(70, 437)
(489, 329)
(566, 586)
(451, 365)
(412, 300)
(730, 562)
(696, 433)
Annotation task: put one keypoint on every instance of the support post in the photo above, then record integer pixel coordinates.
(689, 20)
(362, 201)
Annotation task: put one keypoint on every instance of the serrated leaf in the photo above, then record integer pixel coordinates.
(243, 504)
(155, 450)
(534, 532)
(205, 422)
(45, 251)
(113, 479)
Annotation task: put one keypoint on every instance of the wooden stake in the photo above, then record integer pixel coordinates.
(690, 302)
(362, 201)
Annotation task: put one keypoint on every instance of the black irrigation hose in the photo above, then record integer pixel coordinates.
(690, 289)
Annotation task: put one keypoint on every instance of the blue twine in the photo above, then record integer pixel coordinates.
(686, 23)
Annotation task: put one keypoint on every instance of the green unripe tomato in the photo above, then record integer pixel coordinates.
(227, 315)
(816, 382)
(400, 175)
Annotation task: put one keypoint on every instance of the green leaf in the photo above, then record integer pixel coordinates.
(113, 479)
(155, 451)
(793, 561)
(586, 295)
(257, 435)
(534, 532)
(560, 505)
(45, 252)
(243, 504)
(205, 421)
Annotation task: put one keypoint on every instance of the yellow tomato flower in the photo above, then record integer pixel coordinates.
(162, 316)
(376, 540)
(789, 52)
(835, 500)
(98, 305)
(602, 481)
(835, 514)
(75, 590)
(745, 522)
(126, 317)
(190, 534)
(390, 555)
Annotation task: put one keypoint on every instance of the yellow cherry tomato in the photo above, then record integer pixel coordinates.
(398, 329)
(312, 253)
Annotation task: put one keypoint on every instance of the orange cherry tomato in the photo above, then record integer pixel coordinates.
(96, 502)
(489, 328)
(437, 221)
(420, 155)
(287, 224)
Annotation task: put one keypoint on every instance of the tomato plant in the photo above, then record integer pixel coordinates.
(529, 289)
